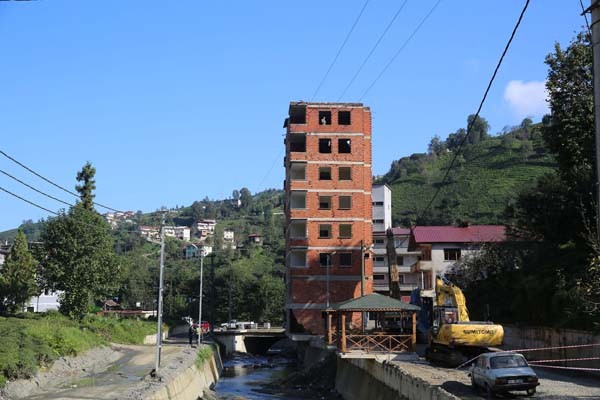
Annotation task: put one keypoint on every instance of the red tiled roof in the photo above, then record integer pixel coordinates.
(453, 234)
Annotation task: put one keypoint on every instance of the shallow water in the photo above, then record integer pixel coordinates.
(245, 377)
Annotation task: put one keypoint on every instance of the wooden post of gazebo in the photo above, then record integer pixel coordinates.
(343, 338)
(414, 330)
(329, 328)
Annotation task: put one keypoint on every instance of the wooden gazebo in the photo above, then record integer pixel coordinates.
(378, 340)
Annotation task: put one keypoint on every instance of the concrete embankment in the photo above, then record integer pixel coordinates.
(186, 377)
(373, 379)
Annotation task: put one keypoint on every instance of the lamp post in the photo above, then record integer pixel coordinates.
(200, 294)
(160, 294)
(327, 276)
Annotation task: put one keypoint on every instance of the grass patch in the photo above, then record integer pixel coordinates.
(31, 341)
(204, 354)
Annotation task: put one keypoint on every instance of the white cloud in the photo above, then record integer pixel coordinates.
(527, 99)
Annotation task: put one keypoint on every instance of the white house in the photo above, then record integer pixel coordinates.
(46, 301)
(381, 197)
(179, 232)
(151, 233)
(228, 238)
(442, 246)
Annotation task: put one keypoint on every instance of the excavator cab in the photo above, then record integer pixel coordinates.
(444, 316)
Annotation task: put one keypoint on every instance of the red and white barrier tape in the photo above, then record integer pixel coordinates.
(552, 348)
(565, 359)
(535, 349)
(558, 367)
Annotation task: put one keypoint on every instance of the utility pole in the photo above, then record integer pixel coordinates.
(594, 8)
(160, 293)
(212, 291)
(362, 283)
(200, 294)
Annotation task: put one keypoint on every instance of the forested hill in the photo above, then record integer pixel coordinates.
(488, 173)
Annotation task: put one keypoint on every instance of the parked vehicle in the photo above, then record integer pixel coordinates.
(205, 325)
(503, 372)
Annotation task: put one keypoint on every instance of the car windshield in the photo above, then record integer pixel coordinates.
(508, 361)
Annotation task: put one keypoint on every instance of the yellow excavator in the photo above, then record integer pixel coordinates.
(453, 337)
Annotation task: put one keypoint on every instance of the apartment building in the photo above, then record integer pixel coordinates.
(328, 210)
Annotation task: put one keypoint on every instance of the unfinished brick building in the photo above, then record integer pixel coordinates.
(328, 209)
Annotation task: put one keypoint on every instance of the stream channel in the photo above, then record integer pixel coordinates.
(251, 377)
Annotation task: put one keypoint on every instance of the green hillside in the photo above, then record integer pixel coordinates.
(486, 177)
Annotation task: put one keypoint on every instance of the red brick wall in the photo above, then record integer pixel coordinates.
(302, 291)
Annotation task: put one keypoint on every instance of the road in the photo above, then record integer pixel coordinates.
(553, 386)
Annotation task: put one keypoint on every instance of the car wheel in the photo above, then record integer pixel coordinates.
(530, 392)
(489, 393)
(474, 385)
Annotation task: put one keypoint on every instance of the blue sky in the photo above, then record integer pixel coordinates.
(175, 101)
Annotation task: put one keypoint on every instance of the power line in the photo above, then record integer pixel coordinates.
(470, 126)
(585, 16)
(50, 182)
(387, 28)
(34, 189)
(400, 49)
(27, 201)
(340, 49)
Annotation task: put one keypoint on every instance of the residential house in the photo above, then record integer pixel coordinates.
(179, 232)
(255, 239)
(46, 301)
(150, 233)
(228, 239)
(442, 246)
(206, 227)
(190, 251)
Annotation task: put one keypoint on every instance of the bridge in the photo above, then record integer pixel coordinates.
(253, 341)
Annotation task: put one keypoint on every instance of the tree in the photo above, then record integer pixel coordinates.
(17, 276)
(81, 260)
(436, 146)
(479, 130)
(246, 198)
(86, 189)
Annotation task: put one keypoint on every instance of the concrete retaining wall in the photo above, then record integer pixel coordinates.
(536, 337)
(187, 381)
(361, 378)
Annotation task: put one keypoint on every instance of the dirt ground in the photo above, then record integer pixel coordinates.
(127, 366)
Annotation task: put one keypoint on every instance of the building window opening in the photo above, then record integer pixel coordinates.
(345, 202)
(298, 259)
(378, 203)
(298, 143)
(324, 202)
(379, 259)
(345, 173)
(297, 200)
(345, 259)
(378, 277)
(324, 231)
(378, 221)
(298, 171)
(399, 260)
(379, 241)
(345, 231)
(451, 254)
(325, 173)
(298, 115)
(324, 117)
(325, 259)
(298, 229)
(344, 146)
(344, 118)
(401, 279)
(324, 145)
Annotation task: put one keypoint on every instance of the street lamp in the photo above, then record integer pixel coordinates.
(200, 295)
(327, 279)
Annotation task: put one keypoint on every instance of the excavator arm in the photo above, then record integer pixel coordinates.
(394, 280)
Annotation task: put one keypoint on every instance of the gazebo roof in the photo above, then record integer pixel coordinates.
(374, 302)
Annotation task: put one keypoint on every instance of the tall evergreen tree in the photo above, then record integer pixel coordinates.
(17, 276)
(88, 185)
(81, 260)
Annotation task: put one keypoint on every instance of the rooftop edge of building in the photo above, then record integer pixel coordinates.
(326, 104)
